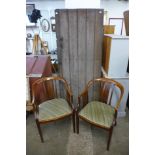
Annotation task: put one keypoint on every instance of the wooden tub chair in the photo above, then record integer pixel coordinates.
(100, 112)
(52, 101)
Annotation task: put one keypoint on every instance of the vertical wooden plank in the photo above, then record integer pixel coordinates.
(82, 48)
(59, 47)
(58, 89)
(98, 39)
(98, 48)
(90, 22)
(64, 47)
(50, 91)
(58, 33)
(73, 38)
(64, 37)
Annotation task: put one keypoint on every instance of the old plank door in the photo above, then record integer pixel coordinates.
(79, 42)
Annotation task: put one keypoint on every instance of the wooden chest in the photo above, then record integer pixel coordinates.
(37, 67)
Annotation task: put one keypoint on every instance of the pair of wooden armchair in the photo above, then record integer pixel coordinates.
(53, 100)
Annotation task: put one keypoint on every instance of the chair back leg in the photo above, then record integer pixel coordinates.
(109, 139)
(40, 132)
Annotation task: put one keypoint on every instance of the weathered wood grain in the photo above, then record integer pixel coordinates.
(97, 49)
(79, 38)
(73, 40)
(90, 47)
(59, 46)
(82, 29)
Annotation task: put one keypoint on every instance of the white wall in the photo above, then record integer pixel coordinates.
(115, 9)
(48, 5)
(82, 3)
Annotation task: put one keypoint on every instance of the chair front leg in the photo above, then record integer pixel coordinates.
(109, 139)
(39, 130)
(115, 118)
(77, 123)
(73, 118)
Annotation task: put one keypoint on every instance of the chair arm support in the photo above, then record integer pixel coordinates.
(84, 97)
(70, 99)
(115, 117)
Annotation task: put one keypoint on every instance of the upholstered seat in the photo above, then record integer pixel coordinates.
(98, 113)
(53, 109)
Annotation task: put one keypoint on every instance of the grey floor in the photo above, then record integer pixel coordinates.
(60, 139)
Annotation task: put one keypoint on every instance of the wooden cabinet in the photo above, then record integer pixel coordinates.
(115, 55)
(115, 62)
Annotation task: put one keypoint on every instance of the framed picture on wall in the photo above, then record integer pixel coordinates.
(45, 25)
(118, 22)
(53, 24)
(29, 8)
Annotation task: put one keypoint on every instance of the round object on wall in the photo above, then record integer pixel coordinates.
(45, 25)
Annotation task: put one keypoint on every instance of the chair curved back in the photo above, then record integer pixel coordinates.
(106, 88)
(48, 88)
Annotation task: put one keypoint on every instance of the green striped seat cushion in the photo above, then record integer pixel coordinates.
(98, 113)
(53, 109)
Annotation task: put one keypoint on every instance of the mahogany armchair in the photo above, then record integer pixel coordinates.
(52, 101)
(100, 112)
